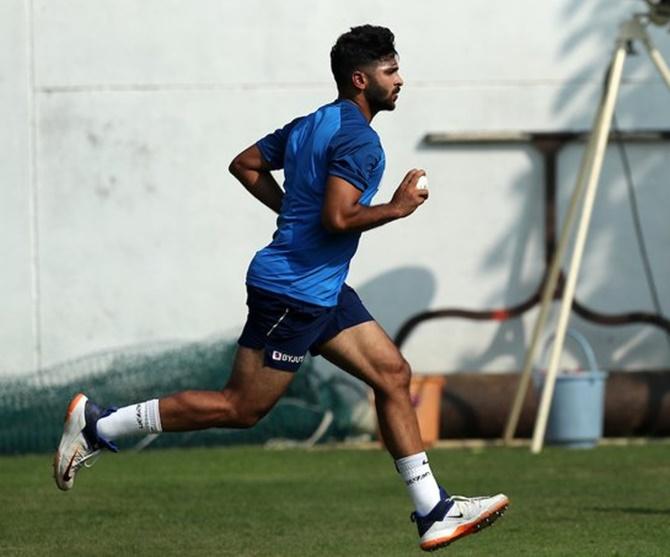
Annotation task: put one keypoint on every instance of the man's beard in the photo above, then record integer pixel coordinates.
(379, 99)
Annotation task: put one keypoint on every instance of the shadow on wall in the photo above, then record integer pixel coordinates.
(603, 18)
(612, 228)
(394, 296)
(512, 251)
(642, 103)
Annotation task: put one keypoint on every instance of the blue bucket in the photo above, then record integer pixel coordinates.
(578, 407)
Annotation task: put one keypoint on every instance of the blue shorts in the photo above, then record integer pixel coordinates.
(286, 328)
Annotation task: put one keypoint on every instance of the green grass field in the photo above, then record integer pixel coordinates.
(250, 501)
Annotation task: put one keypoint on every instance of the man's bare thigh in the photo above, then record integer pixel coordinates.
(364, 351)
(256, 382)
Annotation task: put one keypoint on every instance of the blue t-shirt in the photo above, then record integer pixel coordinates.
(304, 261)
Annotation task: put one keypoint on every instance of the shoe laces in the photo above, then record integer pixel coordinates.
(87, 461)
(90, 459)
(469, 503)
(468, 500)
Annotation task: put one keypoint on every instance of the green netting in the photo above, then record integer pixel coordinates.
(32, 407)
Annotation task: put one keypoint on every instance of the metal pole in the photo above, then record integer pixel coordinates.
(657, 59)
(550, 285)
(602, 134)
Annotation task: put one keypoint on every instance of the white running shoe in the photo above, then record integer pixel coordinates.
(80, 441)
(455, 517)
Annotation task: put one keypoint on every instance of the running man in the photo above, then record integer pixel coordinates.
(298, 302)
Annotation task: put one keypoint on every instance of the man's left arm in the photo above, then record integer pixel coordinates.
(253, 172)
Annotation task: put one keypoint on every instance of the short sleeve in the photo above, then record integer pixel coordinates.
(356, 159)
(273, 145)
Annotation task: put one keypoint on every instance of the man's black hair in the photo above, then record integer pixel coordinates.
(359, 47)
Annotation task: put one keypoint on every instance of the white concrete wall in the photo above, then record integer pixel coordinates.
(18, 335)
(120, 225)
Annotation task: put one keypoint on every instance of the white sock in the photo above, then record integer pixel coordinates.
(421, 484)
(137, 419)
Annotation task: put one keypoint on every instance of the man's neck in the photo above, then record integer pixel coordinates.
(362, 104)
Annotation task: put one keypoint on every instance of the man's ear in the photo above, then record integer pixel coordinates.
(359, 80)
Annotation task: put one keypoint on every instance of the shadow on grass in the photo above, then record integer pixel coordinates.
(631, 510)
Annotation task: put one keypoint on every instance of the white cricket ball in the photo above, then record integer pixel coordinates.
(422, 183)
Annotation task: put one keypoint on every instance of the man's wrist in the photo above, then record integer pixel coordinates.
(394, 211)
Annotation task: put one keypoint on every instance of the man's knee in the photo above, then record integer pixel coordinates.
(250, 417)
(395, 376)
(244, 413)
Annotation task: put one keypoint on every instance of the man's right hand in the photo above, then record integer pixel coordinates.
(408, 197)
(253, 172)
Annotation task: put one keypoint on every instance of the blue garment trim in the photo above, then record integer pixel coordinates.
(93, 413)
(438, 513)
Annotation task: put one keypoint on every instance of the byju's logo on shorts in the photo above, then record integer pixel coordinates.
(278, 356)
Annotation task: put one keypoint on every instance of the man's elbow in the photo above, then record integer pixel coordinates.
(335, 224)
(236, 166)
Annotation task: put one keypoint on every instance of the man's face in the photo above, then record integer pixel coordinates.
(384, 83)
